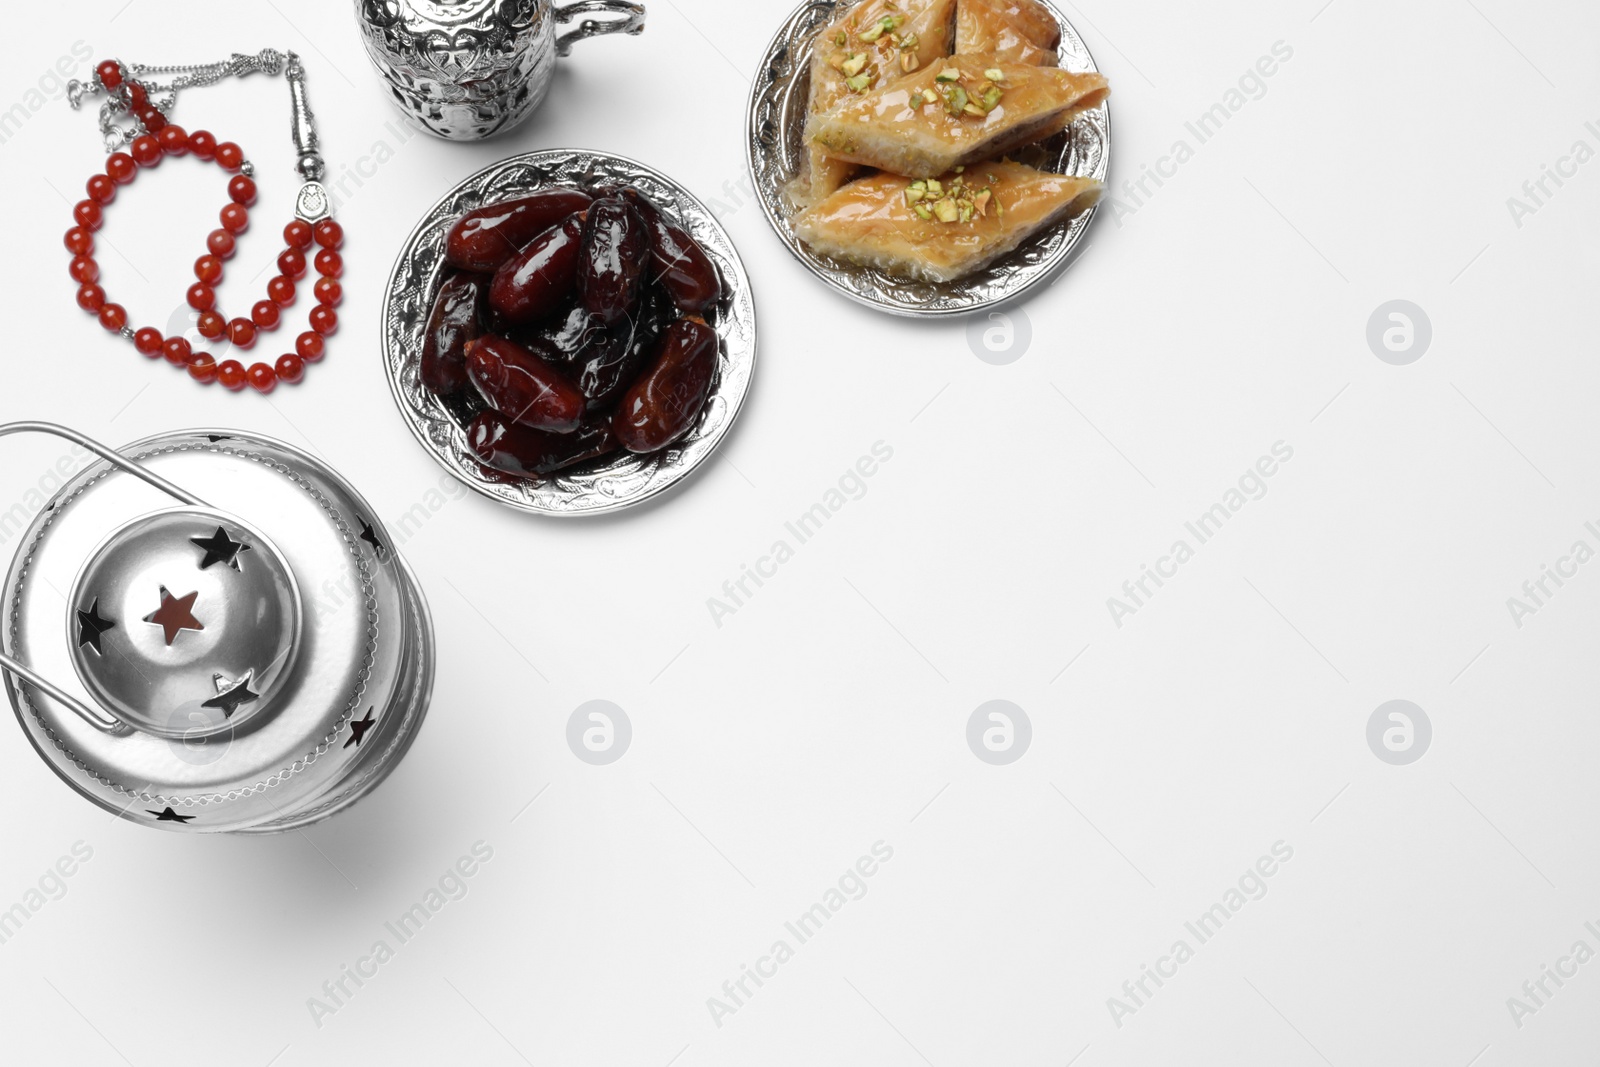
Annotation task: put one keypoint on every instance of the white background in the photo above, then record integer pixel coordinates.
(1225, 314)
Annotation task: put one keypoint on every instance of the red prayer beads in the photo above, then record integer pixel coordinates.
(211, 325)
(146, 151)
(177, 351)
(102, 189)
(174, 140)
(162, 139)
(291, 368)
(91, 298)
(203, 145)
(262, 378)
(230, 372)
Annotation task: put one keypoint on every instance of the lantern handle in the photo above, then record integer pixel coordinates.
(95, 717)
(111, 456)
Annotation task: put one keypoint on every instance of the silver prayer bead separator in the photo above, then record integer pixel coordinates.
(162, 85)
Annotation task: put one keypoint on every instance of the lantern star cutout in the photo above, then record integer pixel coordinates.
(370, 536)
(220, 548)
(91, 626)
(359, 728)
(232, 694)
(175, 614)
(168, 815)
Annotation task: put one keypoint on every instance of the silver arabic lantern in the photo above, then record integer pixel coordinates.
(240, 648)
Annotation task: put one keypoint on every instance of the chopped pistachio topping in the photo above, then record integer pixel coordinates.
(881, 27)
(842, 39)
(908, 41)
(958, 101)
(853, 66)
(859, 83)
(948, 74)
(994, 74)
(951, 202)
(909, 62)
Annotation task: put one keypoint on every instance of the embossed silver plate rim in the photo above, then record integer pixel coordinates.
(1085, 151)
(615, 482)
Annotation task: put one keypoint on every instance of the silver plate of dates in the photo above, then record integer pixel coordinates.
(775, 133)
(609, 483)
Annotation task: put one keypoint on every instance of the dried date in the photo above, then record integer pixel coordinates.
(615, 248)
(538, 282)
(485, 239)
(609, 368)
(680, 264)
(453, 323)
(516, 449)
(665, 402)
(522, 386)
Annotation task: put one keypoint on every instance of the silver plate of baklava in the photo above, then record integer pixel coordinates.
(929, 157)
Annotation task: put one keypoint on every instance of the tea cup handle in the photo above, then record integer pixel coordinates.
(631, 22)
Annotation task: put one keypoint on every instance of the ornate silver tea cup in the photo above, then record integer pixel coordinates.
(469, 69)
